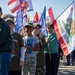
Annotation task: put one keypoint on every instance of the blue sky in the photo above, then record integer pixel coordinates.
(58, 6)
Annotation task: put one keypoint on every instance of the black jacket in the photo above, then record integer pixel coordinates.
(6, 44)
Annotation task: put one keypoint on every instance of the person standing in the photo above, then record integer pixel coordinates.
(31, 44)
(40, 55)
(51, 51)
(18, 50)
(70, 59)
(6, 46)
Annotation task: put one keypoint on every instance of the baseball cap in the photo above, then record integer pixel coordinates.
(9, 19)
(29, 24)
(37, 24)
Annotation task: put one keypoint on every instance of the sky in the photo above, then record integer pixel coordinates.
(58, 6)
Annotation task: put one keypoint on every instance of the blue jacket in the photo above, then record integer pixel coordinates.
(6, 44)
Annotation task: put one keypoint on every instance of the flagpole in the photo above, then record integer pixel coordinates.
(63, 11)
(48, 47)
(49, 51)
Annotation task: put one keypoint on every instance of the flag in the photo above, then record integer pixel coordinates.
(14, 5)
(42, 21)
(49, 15)
(26, 5)
(25, 19)
(36, 17)
(65, 29)
(30, 7)
(19, 22)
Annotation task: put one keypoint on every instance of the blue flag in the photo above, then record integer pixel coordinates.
(42, 22)
(19, 22)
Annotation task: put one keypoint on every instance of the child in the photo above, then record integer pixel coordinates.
(32, 47)
(40, 55)
(51, 51)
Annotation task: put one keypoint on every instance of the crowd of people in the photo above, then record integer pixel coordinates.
(28, 53)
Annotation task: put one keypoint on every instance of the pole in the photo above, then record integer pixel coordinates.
(49, 50)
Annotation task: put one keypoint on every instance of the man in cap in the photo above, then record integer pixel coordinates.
(5, 46)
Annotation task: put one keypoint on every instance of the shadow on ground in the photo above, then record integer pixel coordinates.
(66, 70)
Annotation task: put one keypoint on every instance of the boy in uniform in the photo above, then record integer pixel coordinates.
(40, 55)
(51, 50)
(31, 43)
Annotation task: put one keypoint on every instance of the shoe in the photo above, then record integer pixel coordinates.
(67, 64)
(71, 64)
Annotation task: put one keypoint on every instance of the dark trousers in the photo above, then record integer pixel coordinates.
(51, 65)
(70, 58)
(15, 72)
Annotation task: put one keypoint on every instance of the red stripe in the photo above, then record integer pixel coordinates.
(51, 14)
(11, 1)
(15, 9)
(60, 39)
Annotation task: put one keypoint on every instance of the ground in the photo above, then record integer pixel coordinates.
(66, 70)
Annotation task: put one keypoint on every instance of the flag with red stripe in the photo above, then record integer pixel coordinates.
(26, 5)
(49, 15)
(14, 5)
(65, 29)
